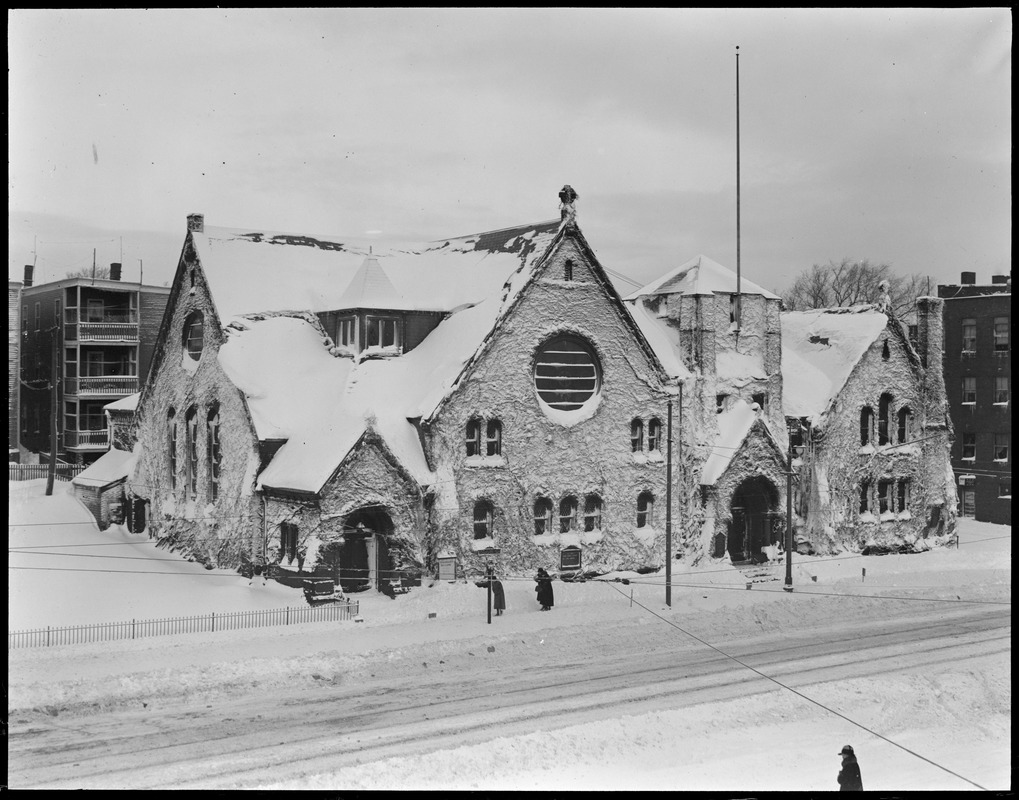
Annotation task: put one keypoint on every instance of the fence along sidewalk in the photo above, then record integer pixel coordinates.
(206, 623)
(32, 472)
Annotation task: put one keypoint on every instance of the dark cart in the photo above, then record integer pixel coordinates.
(322, 590)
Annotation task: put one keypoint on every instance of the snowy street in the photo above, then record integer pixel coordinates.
(604, 692)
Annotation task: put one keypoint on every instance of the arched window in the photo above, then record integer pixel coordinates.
(474, 437)
(645, 509)
(542, 516)
(171, 445)
(191, 450)
(566, 372)
(494, 438)
(885, 352)
(866, 424)
(568, 514)
(194, 334)
(637, 435)
(883, 410)
(568, 270)
(213, 452)
(592, 512)
(484, 517)
(654, 434)
(905, 423)
(288, 541)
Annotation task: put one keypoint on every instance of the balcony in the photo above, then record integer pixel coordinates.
(87, 440)
(110, 326)
(101, 386)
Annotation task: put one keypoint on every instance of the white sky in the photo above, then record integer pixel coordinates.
(881, 134)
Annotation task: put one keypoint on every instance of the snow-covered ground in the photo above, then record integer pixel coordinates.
(956, 714)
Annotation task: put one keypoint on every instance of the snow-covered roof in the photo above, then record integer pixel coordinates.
(663, 338)
(820, 348)
(371, 288)
(110, 467)
(733, 425)
(129, 403)
(258, 271)
(700, 275)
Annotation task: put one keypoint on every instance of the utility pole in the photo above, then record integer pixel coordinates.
(739, 293)
(488, 572)
(668, 509)
(789, 522)
(51, 474)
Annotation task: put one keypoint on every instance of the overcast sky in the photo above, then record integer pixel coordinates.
(864, 133)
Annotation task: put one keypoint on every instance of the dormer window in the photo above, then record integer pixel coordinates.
(346, 332)
(383, 332)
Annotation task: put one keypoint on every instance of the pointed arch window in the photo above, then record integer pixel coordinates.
(654, 434)
(213, 452)
(568, 270)
(194, 334)
(637, 435)
(568, 514)
(171, 445)
(883, 412)
(905, 424)
(484, 518)
(866, 425)
(191, 451)
(493, 439)
(592, 512)
(474, 437)
(645, 509)
(542, 516)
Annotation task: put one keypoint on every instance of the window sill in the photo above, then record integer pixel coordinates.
(485, 462)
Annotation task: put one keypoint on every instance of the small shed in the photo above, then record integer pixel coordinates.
(101, 487)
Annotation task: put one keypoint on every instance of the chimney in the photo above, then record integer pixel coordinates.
(114, 271)
(29, 269)
(968, 279)
(196, 223)
(999, 280)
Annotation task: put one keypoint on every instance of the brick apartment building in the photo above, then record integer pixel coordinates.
(104, 331)
(978, 377)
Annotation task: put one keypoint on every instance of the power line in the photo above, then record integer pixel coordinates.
(800, 694)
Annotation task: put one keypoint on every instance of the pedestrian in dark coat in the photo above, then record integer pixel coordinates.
(544, 589)
(498, 597)
(849, 776)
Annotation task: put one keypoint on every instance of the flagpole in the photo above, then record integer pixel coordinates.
(739, 297)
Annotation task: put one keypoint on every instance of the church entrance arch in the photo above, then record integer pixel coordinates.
(361, 561)
(754, 507)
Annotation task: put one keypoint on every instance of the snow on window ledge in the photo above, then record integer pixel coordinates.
(969, 459)
(655, 457)
(905, 515)
(866, 516)
(1001, 461)
(187, 363)
(889, 516)
(570, 418)
(485, 461)
(482, 544)
(866, 450)
(1003, 404)
(639, 458)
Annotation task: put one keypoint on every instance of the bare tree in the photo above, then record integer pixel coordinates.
(848, 283)
(87, 272)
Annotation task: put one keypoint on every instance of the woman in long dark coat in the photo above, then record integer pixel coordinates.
(498, 597)
(546, 598)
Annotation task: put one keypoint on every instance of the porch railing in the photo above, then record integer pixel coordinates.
(101, 385)
(91, 439)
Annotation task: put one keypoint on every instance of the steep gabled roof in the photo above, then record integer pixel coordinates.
(735, 425)
(820, 350)
(700, 276)
(259, 271)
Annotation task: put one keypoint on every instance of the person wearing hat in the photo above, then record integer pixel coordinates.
(849, 775)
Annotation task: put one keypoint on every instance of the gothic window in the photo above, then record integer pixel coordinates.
(191, 448)
(542, 516)
(213, 452)
(654, 434)
(883, 410)
(864, 497)
(171, 445)
(645, 509)
(568, 270)
(494, 438)
(484, 516)
(288, 541)
(568, 514)
(474, 437)
(866, 425)
(905, 423)
(884, 496)
(592, 512)
(637, 435)
(194, 334)
(903, 495)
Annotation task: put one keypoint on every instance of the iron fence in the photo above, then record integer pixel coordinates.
(206, 623)
(32, 472)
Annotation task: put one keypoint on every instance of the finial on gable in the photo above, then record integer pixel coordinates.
(884, 299)
(567, 198)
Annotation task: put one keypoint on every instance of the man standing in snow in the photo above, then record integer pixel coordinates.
(849, 775)
(544, 590)
(498, 596)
